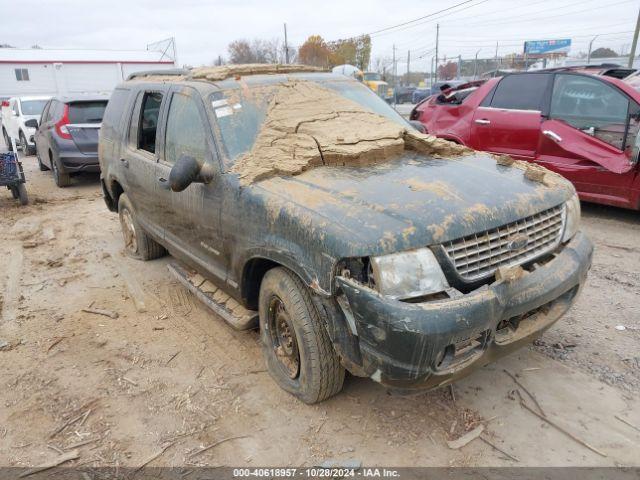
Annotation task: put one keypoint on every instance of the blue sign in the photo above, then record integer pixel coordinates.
(541, 47)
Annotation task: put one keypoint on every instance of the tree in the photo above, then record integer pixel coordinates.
(363, 52)
(447, 71)
(257, 51)
(603, 52)
(240, 52)
(314, 51)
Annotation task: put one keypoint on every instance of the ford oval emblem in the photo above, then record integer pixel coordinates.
(517, 242)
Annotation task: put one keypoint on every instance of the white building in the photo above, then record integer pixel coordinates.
(58, 72)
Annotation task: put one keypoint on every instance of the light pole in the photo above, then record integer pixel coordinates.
(590, 45)
(475, 66)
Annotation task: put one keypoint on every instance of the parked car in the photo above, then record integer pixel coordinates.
(404, 94)
(582, 126)
(20, 118)
(67, 139)
(408, 269)
(421, 93)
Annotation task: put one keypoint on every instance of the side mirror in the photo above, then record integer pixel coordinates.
(33, 123)
(188, 170)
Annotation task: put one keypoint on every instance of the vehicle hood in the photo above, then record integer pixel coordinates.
(413, 201)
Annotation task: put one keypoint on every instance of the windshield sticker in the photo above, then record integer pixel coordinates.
(224, 112)
(219, 103)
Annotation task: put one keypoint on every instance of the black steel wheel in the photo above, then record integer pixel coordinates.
(295, 343)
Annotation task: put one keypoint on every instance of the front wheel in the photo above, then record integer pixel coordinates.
(26, 149)
(296, 346)
(137, 243)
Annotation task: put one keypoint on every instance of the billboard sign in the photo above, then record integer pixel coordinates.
(543, 47)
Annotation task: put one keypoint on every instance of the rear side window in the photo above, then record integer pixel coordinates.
(87, 112)
(148, 125)
(521, 92)
(185, 130)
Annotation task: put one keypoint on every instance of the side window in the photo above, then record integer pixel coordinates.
(148, 124)
(22, 74)
(15, 108)
(592, 106)
(113, 113)
(185, 133)
(521, 92)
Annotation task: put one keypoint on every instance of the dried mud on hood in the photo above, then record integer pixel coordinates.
(308, 126)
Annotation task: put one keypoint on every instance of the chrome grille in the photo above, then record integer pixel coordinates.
(382, 90)
(479, 255)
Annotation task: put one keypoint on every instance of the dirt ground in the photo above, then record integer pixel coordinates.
(167, 377)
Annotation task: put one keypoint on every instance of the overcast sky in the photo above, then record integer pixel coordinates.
(204, 28)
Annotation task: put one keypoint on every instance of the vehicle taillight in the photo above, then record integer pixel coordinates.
(61, 125)
(5, 103)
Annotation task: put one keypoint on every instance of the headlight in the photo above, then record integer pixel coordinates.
(572, 221)
(408, 274)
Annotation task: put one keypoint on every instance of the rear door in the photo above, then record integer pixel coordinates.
(191, 218)
(84, 124)
(139, 157)
(508, 119)
(589, 135)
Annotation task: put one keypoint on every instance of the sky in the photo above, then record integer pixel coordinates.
(203, 29)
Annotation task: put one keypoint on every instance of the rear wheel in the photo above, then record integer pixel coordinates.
(62, 179)
(22, 194)
(296, 346)
(137, 243)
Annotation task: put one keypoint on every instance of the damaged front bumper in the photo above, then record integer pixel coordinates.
(409, 346)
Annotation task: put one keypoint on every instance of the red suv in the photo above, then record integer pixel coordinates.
(581, 126)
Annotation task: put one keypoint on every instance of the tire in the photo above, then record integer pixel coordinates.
(7, 140)
(62, 179)
(137, 243)
(290, 325)
(41, 166)
(14, 192)
(26, 148)
(22, 194)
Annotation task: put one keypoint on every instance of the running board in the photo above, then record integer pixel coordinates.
(220, 302)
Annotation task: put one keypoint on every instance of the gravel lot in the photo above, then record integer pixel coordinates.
(168, 376)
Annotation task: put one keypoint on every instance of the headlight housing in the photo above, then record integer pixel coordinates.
(572, 220)
(408, 274)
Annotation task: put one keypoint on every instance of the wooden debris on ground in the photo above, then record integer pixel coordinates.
(215, 444)
(626, 422)
(466, 438)
(529, 394)
(100, 311)
(67, 457)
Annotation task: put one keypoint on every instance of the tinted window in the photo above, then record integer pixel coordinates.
(33, 107)
(521, 92)
(87, 112)
(46, 113)
(185, 131)
(113, 112)
(148, 124)
(593, 106)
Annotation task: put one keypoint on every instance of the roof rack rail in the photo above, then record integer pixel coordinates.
(169, 72)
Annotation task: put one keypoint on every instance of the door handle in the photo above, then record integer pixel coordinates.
(164, 184)
(482, 121)
(552, 135)
(125, 163)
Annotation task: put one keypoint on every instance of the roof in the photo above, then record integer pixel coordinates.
(27, 98)
(223, 72)
(82, 97)
(42, 55)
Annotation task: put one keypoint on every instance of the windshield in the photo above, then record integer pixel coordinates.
(372, 76)
(33, 107)
(240, 114)
(87, 112)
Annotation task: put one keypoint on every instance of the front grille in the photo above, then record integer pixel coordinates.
(382, 90)
(479, 255)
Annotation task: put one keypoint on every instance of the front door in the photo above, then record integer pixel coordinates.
(191, 218)
(39, 137)
(508, 120)
(589, 136)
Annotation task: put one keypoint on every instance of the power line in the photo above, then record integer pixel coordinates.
(420, 18)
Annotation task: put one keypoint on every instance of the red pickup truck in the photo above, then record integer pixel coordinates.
(582, 126)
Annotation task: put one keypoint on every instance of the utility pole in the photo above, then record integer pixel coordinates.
(286, 47)
(632, 53)
(437, 38)
(496, 74)
(590, 45)
(475, 66)
(393, 70)
(408, 66)
(459, 66)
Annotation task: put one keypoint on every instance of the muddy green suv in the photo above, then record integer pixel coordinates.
(300, 203)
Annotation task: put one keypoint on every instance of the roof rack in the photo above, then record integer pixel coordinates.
(168, 72)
